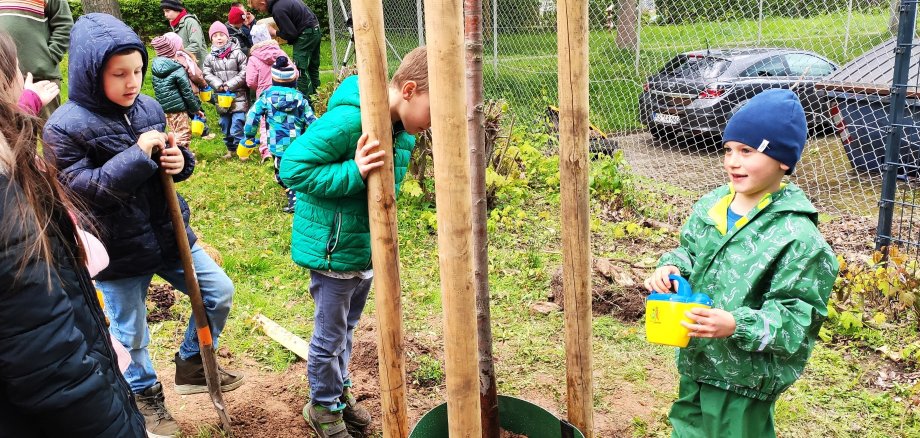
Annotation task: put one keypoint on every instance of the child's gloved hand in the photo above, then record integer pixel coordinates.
(245, 149)
(659, 280)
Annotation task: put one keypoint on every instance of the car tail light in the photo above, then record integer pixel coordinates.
(840, 125)
(715, 90)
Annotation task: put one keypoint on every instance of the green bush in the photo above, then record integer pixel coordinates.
(146, 17)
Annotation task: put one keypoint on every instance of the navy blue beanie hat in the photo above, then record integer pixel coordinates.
(773, 122)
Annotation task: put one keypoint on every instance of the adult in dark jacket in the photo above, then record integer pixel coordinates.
(299, 26)
(58, 370)
(102, 140)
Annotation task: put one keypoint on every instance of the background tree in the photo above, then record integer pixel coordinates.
(107, 6)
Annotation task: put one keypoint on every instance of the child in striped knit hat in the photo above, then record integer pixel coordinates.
(173, 91)
(171, 45)
(287, 113)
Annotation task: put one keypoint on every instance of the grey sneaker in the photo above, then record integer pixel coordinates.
(157, 420)
(325, 422)
(356, 417)
(190, 377)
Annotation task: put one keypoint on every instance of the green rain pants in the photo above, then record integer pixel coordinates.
(306, 56)
(704, 411)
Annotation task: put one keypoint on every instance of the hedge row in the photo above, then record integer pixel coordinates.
(146, 16)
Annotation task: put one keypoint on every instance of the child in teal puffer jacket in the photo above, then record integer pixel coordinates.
(328, 166)
(173, 91)
(287, 113)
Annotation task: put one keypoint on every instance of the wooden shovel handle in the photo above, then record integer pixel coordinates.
(185, 253)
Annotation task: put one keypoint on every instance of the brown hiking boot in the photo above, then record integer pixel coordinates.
(356, 417)
(325, 422)
(190, 377)
(157, 420)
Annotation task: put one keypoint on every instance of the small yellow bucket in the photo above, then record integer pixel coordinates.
(664, 312)
(225, 100)
(205, 94)
(197, 126)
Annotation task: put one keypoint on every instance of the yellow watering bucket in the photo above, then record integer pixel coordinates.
(664, 312)
(205, 94)
(225, 100)
(197, 126)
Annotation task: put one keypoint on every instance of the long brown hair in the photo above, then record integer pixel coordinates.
(47, 207)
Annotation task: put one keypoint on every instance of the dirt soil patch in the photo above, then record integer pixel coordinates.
(162, 297)
(270, 404)
(616, 290)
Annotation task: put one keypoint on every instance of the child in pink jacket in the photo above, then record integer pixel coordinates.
(262, 55)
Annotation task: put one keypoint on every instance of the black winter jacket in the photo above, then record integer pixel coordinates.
(58, 371)
(93, 142)
(292, 17)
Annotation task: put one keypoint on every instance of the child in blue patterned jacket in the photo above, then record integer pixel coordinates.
(287, 113)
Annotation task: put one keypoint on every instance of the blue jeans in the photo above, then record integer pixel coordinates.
(125, 305)
(231, 124)
(339, 304)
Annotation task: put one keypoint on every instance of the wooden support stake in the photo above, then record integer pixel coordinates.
(444, 32)
(287, 339)
(572, 25)
(370, 51)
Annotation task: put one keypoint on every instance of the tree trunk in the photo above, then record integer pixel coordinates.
(488, 399)
(107, 6)
(627, 37)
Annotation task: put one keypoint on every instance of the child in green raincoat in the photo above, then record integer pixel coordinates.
(753, 246)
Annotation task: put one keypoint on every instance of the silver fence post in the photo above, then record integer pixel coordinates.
(846, 38)
(495, 38)
(638, 35)
(335, 54)
(420, 24)
(759, 21)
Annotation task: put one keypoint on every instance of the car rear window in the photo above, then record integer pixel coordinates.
(695, 66)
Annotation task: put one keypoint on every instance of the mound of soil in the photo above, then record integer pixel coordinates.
(849, 234)
(615, 289)
(163, 297)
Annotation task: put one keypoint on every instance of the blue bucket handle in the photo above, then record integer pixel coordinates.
(683, 286)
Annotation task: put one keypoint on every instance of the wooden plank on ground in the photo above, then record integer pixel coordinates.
(287, 339)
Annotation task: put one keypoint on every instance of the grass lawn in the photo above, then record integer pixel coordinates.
(236, 209)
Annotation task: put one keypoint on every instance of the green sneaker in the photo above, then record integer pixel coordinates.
(325, 422)
(356, 417)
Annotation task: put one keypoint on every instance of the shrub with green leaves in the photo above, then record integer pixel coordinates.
(146, 16)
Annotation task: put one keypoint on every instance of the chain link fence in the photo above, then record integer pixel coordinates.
(667, 74)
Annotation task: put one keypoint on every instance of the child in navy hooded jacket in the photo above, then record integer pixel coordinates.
(104, 140)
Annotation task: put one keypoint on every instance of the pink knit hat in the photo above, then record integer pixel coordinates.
(162, 47)
(175, 41)
(216, 27)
